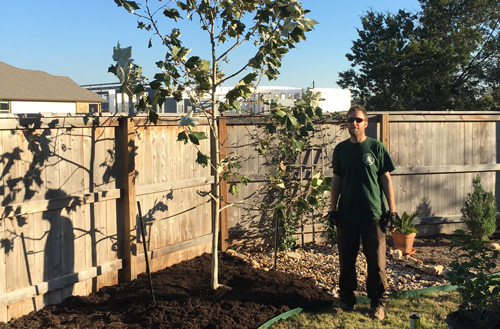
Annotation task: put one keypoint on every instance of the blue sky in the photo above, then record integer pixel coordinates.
(76, 39)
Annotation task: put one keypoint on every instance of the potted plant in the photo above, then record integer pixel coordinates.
(478, 287)
(404, 233)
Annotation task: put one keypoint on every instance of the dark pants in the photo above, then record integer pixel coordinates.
(372, 237)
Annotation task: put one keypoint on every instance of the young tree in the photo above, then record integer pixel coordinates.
(267, 29)
(444, 57)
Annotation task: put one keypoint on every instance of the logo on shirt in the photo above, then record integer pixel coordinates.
(368, 159)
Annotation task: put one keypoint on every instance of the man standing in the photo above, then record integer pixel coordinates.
(361, 179)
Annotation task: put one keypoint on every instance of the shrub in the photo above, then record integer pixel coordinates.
(478, 286)
(479, 211)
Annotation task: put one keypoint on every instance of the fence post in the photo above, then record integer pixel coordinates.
(223, 186)
(384, 130)
(129, 247)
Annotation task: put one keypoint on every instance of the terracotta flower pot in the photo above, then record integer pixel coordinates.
(404, 242)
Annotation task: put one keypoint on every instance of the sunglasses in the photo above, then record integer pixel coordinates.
(358, 120)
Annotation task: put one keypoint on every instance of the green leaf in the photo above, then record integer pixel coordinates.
(279, 205)
(250, 77)
(302, 204)
(202, 159)
(313, 201)
(192, 62)
(153, 116)
(319, 112)
(177, 95)
(236, 105)
(172, 13)
(179, 53)
(290, 122)
(181, 5)
(183, 136)
(297, 146)
(234, 190)
(139, 89)
(130, 6)
(280, 113)
(155, 84)
(196, 136)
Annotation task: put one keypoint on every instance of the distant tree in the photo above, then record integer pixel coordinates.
(444, 57)
(129, 74)
(267, 29)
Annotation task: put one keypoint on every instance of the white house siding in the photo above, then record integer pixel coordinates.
(41, 107)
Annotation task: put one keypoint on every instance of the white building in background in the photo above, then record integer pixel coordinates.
(332, 99)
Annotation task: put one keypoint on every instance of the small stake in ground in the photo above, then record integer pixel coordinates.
(143, 229)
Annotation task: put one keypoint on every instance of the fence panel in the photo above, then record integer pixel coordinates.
(436, 154)
(61, 204)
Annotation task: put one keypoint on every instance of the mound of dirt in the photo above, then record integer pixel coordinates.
(249, 298)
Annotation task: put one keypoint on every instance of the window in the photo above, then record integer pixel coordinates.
(4, 107)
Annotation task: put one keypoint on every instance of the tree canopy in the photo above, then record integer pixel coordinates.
(443, 57)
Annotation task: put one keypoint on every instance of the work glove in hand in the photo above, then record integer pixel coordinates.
(332, 218)
(392, 218)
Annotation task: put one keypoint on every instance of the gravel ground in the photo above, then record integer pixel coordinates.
(321, 263)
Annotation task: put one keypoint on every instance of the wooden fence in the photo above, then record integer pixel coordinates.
(71, 183)
(68, 204)
(436, 154)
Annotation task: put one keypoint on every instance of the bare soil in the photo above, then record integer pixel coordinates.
(249, 298)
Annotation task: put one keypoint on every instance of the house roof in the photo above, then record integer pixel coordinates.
(29, 85)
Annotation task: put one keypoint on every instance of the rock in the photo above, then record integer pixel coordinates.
(335, 249)
(433, 269)
(254, 264)
(494, 246)
(413, 262)
(396, 254)
(293, 255)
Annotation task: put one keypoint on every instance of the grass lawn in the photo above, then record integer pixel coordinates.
(432, 309)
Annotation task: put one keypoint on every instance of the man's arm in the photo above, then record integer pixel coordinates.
(335, 191)
(386, 182)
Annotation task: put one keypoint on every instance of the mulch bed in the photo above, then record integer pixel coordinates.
(184, 299)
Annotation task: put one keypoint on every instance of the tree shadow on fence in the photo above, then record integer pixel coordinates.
(31, 164)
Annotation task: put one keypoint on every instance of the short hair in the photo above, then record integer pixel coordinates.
(356, 108)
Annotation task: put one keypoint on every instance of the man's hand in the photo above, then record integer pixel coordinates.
(332, 218)
(392, 218)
